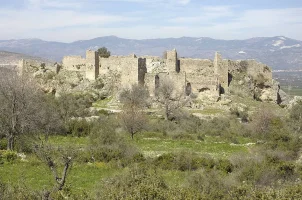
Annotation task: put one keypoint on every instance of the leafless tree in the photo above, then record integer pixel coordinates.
(137, 96)
(169, 98)
(24, 108)
(49, 155)
(134, 100)
(262, 120)
(133, 121)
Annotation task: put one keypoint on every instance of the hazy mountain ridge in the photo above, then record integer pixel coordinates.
(278, 52)
(12, 59)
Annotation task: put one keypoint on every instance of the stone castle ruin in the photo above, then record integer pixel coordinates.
(198, 77)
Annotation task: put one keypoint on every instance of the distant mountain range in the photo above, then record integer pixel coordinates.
(11, 59)
(278, 52)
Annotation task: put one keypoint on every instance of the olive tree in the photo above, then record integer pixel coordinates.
(134, 100)
(169, 98)
(24, 108)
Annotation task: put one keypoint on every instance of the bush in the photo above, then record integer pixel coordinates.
(18, 191)
(183, 161)
(140, 182)
(3, 144)
(24, 144)
(225, 165)
(216, 127)
(242, 114)
(8, 156)
(107, 145)
(79, 128)
(208, 184)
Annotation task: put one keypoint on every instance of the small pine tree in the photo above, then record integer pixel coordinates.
(104, 53)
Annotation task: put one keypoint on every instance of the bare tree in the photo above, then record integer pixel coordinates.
(169, 98)
(134, 100)
(262, 120)
(49, 155)
(136, 96)
(23, 108)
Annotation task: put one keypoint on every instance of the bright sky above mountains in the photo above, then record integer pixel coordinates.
(70, 20)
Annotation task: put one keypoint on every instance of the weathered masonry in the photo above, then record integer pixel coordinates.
(192, 76)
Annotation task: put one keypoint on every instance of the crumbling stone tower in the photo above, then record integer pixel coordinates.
(92, 65)
(221, 70)
(172, 60)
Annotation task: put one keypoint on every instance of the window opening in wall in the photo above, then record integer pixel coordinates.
(188, 89)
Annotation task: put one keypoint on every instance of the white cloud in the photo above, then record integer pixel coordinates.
(54, 4)
(184, 2)
(206, 15)
(51, 19)
(63, 23)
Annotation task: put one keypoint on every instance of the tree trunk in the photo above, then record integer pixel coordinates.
(166, 112)
(10, 143)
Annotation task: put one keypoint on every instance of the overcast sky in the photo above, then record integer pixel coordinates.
(70, 20)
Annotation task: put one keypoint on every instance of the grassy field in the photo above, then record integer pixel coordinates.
(85, 176)
(294, 91)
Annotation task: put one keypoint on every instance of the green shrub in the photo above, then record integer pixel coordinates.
(140, 182)
(183, 136)
(183, 161)
(24, 144)
(165, 161)
(225, 165)
(107, 145)
(286, 170)
(19, 191)
(3, 144)
(8, 156)
(79, 128)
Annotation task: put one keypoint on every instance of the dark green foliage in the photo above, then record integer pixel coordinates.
(104, 53)
(79, 128)
(3, 144)
(186, 161)
(73, 105)
(24, 144)
(8, 156)
(225, 165)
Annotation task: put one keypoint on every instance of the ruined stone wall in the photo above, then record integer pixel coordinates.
(31, 66)
(89, 65)
(178, 80)
(201, 84)
(92, 65)
(74, 63)
(142, 70)
(256, 68)
(150, 82)
(200, 75)
(197, 66)
(251, 68)
(155, 64)
(172, 60)
(221, 69)
(128, 67)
